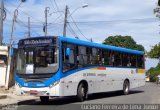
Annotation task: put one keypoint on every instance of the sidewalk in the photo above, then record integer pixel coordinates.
(14, 99)
(9, 97)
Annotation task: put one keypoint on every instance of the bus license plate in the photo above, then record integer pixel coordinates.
(33, 92)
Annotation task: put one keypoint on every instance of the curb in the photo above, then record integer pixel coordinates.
(8, 106)
(3, 96)
(15, 105)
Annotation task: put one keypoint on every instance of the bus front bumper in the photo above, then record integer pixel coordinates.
(45, 91)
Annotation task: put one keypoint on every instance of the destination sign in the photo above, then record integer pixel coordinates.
(37, 42)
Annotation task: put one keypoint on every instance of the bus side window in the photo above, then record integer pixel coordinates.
(111, 58)
(129, 60)
(106, 57)
(140, 61)
(95, 56)
(124, 59)
(91, 57)
(102, 57)
(118, 59)
(133, 60)
(71, 57)
(88, 54)
(82, 55)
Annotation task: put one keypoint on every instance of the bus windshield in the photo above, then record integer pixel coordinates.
(38, 60)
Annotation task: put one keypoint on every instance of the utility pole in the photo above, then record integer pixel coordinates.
(29, 32)
(65, 21)
(66, 16)
(10, 47)
(46, 15)
(1, 22)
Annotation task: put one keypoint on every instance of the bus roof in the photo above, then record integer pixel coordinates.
(86, 43)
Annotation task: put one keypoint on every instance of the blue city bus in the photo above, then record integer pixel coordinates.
(62, 66)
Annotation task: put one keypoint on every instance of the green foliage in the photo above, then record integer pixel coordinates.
(155, 51)
(123, 41)
(153, 72)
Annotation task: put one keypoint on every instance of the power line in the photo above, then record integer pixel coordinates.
(32, 17)
(19, 21)
(72, 31)
(25, 13)
(24, 26)
(58, 18)
(78, 28)
(119, 21)
(56, 5)
(25, 29)
(53, 5)
(22, 23)
(33, 31)
(56, 10)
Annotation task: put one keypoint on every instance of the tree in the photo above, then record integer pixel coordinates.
(154, 72)
(123, 41)
(155, 52)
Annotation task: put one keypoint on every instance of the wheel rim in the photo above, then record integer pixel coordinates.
(82, 91)
(126, 87)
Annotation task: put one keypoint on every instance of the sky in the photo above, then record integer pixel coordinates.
(102, 18)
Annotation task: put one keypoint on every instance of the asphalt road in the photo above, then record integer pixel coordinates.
(149, 94)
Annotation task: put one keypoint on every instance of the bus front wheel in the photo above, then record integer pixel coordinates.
(44, 99)
(126, 87)
(82, 92)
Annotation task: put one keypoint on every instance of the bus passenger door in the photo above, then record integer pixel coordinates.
(69, 64)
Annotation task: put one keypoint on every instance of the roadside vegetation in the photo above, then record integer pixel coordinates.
(154, 72)
(123, 41)
(154, 53)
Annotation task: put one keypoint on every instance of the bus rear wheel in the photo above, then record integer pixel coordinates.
(126, 87)
(44, 99)
(82, 93)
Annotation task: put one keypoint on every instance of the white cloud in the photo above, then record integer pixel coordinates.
(144, 32)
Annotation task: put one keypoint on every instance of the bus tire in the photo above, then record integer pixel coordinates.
(82, 93)
(44, 99)
(126, 87)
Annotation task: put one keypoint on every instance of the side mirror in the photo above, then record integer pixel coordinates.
(68, 52)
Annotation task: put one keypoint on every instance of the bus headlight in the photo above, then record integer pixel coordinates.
(54, 84)
(18, 84)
